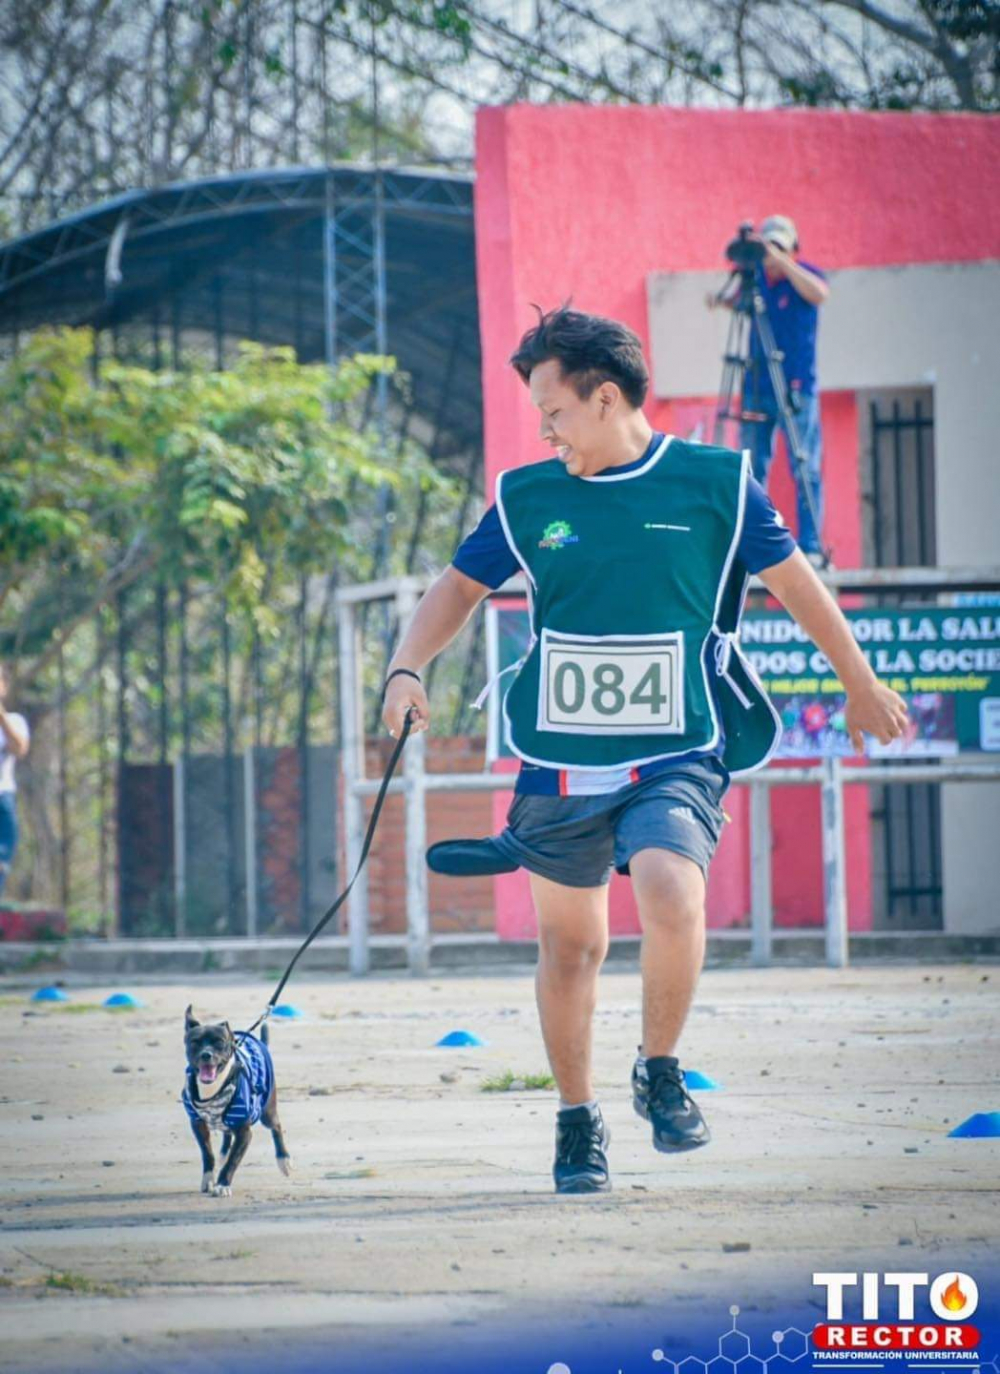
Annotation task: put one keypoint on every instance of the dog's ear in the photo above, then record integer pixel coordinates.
(189, 1019)
(228, 1029)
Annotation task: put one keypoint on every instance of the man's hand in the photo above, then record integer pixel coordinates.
(774, 257)
(715, 299)
(402, 693)
(877, 709)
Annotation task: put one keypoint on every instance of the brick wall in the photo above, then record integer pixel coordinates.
(279, 814)
(456, 904)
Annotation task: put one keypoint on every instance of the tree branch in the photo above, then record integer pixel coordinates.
(136, 561)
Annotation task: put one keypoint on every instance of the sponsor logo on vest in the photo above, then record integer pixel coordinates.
(558, 533)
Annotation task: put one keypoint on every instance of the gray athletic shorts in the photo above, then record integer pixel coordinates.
(577, 841)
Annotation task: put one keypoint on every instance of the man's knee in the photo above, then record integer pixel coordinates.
(572, 952)
(669, 889)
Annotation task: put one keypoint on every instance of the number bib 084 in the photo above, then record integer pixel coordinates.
(612, 684)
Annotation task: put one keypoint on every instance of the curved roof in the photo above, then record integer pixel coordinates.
(249, 255)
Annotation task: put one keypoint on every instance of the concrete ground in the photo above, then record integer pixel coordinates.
(419, 1203)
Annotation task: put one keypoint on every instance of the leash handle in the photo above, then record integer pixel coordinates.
(404, 733)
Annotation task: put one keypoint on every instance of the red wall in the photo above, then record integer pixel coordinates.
(584, 202)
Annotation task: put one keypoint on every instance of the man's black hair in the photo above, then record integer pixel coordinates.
(589, 349)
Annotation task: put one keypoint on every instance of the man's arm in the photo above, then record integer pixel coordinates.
(810, 287)
(725, 296)
(441, 613)
(871, 706)
(17, 741)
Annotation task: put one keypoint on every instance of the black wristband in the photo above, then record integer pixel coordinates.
(408, 671)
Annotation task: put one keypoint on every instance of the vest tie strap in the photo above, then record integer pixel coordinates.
(725, 643)
(477, 705)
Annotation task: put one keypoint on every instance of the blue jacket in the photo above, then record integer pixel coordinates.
(252, 1089)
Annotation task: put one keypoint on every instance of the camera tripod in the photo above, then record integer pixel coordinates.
(749, 313)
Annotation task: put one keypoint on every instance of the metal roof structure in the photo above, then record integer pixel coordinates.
(332, 260)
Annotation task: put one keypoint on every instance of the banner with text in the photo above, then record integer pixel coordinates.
(945, 662)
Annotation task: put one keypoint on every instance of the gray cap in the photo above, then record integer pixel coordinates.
(781, 230)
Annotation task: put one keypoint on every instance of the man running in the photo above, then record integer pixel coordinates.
(633, 705)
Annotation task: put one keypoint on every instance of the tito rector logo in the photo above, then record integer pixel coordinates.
(953, 1297)
(558, 533)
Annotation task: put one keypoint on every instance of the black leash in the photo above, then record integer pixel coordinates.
(343, 896)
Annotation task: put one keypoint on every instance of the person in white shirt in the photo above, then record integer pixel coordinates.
(14, 740)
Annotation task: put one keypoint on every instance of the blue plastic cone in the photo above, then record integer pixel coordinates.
(980, 1126)
(122, 999)
(459, 1037)
(49, 995)
(699, 1082)
(288, 1011)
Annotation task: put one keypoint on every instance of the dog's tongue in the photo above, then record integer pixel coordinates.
(206, 1073)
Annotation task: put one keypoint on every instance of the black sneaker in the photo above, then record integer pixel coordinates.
(581, 1166)
(659, 1097)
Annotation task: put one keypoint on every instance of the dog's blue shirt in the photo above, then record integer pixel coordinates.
(251, 1089)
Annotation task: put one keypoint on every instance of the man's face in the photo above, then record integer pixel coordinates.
(575, 428)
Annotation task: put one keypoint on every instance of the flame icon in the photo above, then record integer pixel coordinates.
(953, 1297)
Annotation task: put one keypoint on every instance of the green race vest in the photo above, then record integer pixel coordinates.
(635, 594)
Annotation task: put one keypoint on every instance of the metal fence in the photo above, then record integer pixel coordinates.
(329, 260)
(900, 520)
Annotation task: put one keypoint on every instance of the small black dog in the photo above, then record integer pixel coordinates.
(229, 1088)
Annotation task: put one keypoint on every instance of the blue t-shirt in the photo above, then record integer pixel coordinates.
(793, 322)
(486, 556)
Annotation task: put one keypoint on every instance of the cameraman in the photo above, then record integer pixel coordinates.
(792, 292)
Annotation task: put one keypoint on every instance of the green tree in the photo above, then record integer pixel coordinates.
(253, 490)
(237, 479)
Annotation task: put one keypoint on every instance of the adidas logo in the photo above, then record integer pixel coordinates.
(683, 813)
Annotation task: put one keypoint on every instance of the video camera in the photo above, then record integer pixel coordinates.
(744, 252)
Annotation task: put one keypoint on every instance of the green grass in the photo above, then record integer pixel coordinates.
(38, 958)
(78, 1283)
(80, 1008)
(505, 1082)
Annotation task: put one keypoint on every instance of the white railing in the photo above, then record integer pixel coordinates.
(830, 775)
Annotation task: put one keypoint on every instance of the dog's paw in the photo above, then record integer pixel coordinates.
(207, 1182)
(285, 1165)
(221, 1190)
